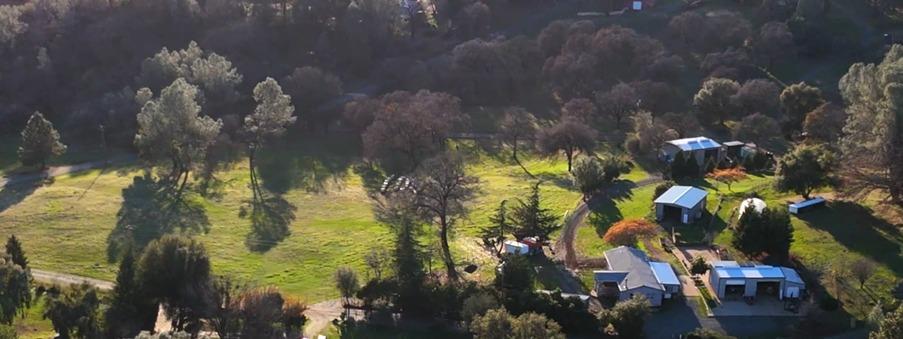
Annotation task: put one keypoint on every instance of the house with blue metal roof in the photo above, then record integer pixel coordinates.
(684, 203)
(731, 280)
(703, 149)
(630, 273)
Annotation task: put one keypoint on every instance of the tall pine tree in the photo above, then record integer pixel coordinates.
(130, 311)
(16, 253)
(494, 234)
(531, 219)
(40, 141)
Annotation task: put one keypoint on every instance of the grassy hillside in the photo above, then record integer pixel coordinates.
(67, 225)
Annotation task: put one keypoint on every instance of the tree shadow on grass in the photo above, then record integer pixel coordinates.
(307, 163)
(856, 228)
(603, 214)
(15, 191)
(620, 190)
(271, 216)
(148, 212)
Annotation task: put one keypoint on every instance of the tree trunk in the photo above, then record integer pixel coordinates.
(253, 174)
(514, 144)
(446, 252)
(570, 156)
(184, 175)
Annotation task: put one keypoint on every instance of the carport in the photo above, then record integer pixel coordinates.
(684, 202)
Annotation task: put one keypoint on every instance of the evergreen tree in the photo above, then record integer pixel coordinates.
(130, 311)
(274, 112)
(499, 225)
(691, 167)
(16, 253)
(409, 273)
(533, 220)
(40, 141)
(678, 166)
(767, 232)
(15, 290)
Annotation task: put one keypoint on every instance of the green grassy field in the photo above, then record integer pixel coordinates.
(66, 225)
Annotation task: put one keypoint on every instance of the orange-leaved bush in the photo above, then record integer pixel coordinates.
(628, 232)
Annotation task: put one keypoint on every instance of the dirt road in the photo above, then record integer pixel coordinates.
(56, 171)
(564, 246)
(48, 277)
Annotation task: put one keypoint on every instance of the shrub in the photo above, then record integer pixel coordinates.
(628, 232)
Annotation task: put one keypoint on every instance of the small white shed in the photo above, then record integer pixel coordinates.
(516, 248)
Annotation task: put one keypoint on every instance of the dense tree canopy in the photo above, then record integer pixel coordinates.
(714, 99)
(805, 169)
(499, 324)
(311, 87)
(173, 133)
(872, 145)
(175, 272)
(15, 282)
(797, 100)
(767, 232)
(412, 125)
(73, 312)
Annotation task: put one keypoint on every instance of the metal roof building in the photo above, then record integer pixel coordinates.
(704, 150)
(695, 144)
(685, 202)
(732, 280)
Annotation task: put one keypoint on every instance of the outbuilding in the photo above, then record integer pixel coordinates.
(732, 280)
(685, 203)
(703, 149)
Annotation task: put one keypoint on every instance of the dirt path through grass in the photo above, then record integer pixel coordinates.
(56, 171)
(564, 246)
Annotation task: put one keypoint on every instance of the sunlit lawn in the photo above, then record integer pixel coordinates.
(65, 224)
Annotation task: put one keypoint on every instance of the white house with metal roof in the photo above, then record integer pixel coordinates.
(732, 280)
(686, 203)
(700, 148)
(630, 273)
